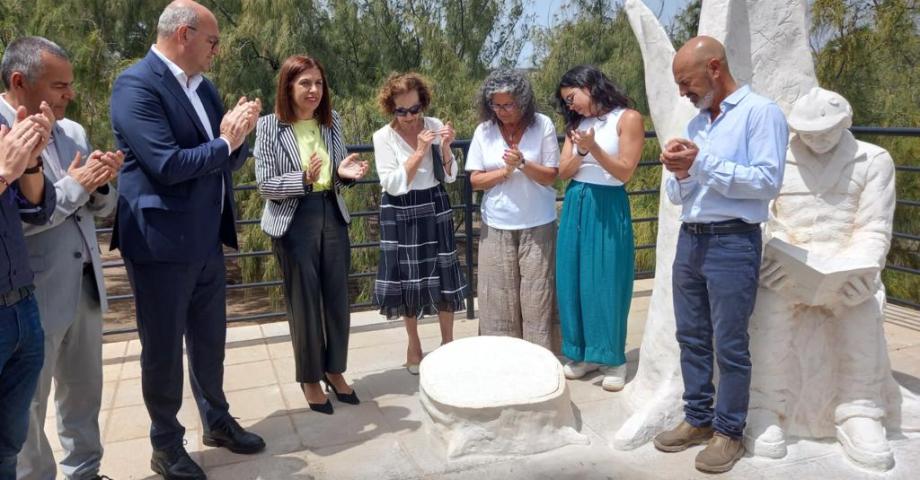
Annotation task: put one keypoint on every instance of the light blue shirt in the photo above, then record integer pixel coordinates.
(739, 167)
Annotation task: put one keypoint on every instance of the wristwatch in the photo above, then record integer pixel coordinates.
(36, 169)
(521, 166)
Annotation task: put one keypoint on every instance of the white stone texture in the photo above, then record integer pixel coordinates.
(766, 44)
(496, 396)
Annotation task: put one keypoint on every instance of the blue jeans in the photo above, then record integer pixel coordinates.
(22, 351)
(715, 280)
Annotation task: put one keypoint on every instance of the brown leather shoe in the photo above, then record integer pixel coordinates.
(720, 454)
(682, 437)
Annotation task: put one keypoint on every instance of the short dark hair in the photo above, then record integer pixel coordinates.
(400, 83)
(292, 68)
(24, 55)
(604, 93)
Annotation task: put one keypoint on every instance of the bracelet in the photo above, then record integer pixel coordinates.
(521, 166)
(580, 153)
(37, 168)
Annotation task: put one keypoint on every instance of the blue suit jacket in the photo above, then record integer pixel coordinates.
(170, 186)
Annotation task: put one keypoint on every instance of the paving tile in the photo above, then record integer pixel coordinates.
(114, 351)
(389, 461)
(382, 384)
(130, 459)
(248, 375)
(275, 329)
(291, 466)
(280, 347)
(349, 424)
(246, 354)
(127, 423)
(256, 403)
(245, 333)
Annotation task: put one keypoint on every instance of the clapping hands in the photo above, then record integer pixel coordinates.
(21, 145)
(352, 167)
(240, 121)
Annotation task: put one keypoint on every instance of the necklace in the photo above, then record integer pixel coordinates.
(512, 137)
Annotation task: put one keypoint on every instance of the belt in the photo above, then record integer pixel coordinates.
(13, 297)
(715, 228)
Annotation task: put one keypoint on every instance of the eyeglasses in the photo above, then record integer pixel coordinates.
(213, 40)
(503, 107)
(402, 112)
(569, 99)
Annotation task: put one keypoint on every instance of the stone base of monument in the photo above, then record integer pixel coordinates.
(496, 396)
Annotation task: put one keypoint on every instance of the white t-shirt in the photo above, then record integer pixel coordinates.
(391, 153)
(518, 202)
(606, 136)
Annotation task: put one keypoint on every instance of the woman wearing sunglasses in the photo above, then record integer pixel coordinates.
(594, 264)
(301, 166)
(514, 157)
(418, 272)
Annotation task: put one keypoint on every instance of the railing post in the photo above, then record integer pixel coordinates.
(468, 228)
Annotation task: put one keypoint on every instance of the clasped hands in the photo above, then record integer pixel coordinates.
(240, 121)
(513, 159)
(22, 145)
(583, 139)
(678, 156)
(426, 137)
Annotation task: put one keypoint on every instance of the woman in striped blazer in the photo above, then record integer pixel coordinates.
(301, 167)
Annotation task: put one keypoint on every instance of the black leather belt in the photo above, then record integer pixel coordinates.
(13, 297)
(715, 228)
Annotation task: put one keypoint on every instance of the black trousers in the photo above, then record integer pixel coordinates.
(175, 300)
(315, 259)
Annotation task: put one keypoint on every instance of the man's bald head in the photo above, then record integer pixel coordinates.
(187, 34)
(699, 51)
(701, 71)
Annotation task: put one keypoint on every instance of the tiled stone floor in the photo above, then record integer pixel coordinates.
(383, 438)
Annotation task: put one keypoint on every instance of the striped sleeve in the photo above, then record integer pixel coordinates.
(271, 182)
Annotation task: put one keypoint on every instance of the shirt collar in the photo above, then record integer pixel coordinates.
(184, 80)
(736, 97)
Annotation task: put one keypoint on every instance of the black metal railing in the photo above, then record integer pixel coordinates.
(467, 233)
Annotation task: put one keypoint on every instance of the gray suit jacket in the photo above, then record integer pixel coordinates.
(56, 249)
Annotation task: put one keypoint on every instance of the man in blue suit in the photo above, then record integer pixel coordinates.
(174, 213)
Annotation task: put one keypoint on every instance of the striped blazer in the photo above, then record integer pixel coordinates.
(279, 171)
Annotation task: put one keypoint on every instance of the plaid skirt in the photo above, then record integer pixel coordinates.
(418, 273)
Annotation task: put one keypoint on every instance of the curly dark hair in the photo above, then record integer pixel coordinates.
(513, 83)
(400, 83)
(604, 93)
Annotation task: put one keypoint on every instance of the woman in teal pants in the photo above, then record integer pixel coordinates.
(595, 251)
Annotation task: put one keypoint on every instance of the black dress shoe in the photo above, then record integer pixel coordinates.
(349, 398)
(175, 464)
(230, 435)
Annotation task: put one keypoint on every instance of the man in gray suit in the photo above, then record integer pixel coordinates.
(64, 255)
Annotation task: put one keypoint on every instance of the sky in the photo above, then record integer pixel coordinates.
(545, 10)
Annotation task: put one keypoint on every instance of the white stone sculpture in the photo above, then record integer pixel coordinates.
(496, 396)
(767, 46)
(820, 361)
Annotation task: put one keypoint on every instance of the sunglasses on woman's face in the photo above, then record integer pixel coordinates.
(402, 112)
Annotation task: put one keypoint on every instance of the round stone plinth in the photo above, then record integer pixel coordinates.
(496, 396)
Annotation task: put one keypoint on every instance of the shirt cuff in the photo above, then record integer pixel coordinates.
(226, 142)
(697, 166)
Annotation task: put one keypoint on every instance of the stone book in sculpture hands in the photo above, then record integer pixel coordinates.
(812, 279)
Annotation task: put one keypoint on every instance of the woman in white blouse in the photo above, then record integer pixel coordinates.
(514, 157)
(418, 272)
(594, 266)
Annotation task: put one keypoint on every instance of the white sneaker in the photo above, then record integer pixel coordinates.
(614, 378)
(573, 370)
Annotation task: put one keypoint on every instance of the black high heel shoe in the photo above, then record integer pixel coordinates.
(349, 398)
(325, 408)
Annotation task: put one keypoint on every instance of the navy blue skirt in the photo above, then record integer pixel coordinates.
(419, 272)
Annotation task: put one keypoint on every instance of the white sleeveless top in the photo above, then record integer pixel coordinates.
(606, 136)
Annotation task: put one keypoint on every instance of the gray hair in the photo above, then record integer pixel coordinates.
(508, 81)
(174, 16)
(24, 55)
